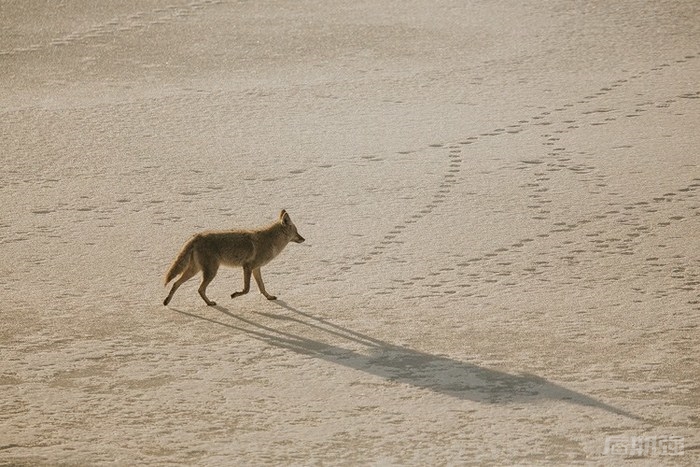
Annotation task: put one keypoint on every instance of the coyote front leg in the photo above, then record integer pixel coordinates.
(246, 283)
(261, 286)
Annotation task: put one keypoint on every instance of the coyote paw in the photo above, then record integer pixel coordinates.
(211, 303)
(271, 297)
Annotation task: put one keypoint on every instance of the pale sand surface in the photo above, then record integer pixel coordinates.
(500, 201)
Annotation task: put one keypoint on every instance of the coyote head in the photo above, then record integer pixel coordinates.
(289, 228)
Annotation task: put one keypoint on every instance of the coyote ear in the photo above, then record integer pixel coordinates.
(284, 217)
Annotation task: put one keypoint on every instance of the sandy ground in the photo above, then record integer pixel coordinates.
(500, 201)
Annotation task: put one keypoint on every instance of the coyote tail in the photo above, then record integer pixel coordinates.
(181, 262)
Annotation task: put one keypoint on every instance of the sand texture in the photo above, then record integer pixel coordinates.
(500, 201)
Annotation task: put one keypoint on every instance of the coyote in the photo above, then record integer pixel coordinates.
(250, 249)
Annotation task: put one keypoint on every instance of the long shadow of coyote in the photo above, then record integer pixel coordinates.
(441, 374)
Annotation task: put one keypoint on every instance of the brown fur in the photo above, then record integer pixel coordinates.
(249, 249)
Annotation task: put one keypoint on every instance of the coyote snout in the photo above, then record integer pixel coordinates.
(249, 249)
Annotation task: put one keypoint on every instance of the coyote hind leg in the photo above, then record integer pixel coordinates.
(186, 275)
(246, 283)
(208, 275)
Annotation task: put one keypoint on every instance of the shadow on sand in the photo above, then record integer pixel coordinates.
(440, 374)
